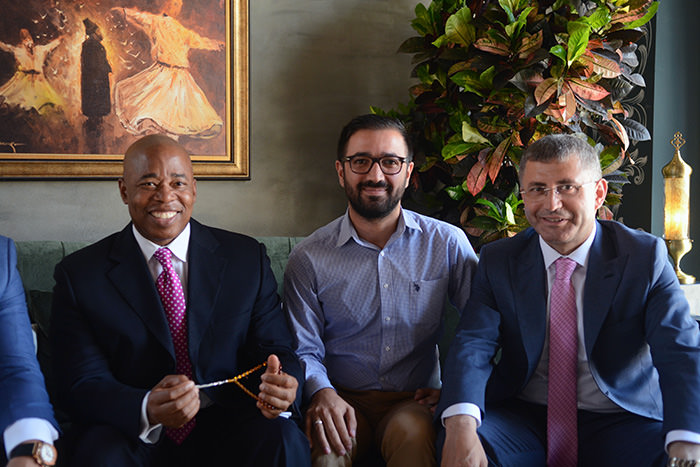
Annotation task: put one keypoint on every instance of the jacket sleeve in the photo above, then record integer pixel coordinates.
(22, 390)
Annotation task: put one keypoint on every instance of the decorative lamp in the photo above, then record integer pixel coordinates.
(677, 208)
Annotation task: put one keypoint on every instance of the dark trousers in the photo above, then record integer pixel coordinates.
(219, 438)
(515, 434)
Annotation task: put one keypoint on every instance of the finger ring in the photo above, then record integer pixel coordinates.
(319, 422)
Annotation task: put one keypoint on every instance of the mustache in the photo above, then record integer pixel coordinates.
(374, 185)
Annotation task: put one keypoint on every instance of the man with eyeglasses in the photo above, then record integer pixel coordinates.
(366, 296)
(577, 346)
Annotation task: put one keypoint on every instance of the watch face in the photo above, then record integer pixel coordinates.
(47, 453)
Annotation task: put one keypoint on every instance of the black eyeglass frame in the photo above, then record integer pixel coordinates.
(378, 161)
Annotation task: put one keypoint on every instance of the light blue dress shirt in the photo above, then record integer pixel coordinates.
(367, 318)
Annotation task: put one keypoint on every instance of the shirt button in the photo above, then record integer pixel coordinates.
(386, 286)
(387, 348)
(387, 319)
(381, 253)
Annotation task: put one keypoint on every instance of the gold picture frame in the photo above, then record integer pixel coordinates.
(219, 67)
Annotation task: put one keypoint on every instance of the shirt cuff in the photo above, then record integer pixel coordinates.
(315, 383)
(463, 408)
(681, 435)
(26, 429)
(149, 433)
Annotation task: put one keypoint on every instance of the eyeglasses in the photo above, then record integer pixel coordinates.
(564, 191)
(390, 165)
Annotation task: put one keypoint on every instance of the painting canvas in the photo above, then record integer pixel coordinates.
(80, 80)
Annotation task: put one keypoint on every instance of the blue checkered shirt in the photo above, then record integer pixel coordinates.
(367, 318)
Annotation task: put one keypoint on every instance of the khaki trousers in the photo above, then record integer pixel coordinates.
(390, 422)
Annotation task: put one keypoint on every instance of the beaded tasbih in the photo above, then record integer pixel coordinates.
(236, 380)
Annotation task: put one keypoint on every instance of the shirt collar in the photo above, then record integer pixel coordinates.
(347, 230)
(179, 246)
(580, 254)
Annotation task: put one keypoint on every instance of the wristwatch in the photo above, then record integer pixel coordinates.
(43, 453)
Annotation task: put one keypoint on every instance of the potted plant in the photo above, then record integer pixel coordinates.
(494, 76)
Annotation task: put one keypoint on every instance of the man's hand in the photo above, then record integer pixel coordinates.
(684, 450)
(22, 461)
(330, 422)
(428, 397)
(277, 389)
(173, 402)
(462, 445)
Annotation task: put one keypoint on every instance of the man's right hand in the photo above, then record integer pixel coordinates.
(338, 423)
(462, 445)
(173, 402)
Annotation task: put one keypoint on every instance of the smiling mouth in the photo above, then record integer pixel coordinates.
(164, 214)
(554, 220)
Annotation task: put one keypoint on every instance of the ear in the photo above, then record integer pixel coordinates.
(194, 189)
(601, 190)
(122, 190)
(409, 171)
(339, 167)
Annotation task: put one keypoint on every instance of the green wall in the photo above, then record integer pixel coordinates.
(314, 64)
(676, 104)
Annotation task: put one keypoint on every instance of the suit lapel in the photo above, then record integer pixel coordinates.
(530, 279)
(205, 278)
(131, 277)
(605, 269)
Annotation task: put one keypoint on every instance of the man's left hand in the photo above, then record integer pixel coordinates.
(684, 450)
(428, 397)
(277, 389)
(22, 461)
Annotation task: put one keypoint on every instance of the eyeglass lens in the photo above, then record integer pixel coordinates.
(388, 164)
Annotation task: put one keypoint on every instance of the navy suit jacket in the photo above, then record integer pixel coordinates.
(22, 390)
(110, 337)
(642, 345)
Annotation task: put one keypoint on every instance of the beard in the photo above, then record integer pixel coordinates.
(373, 207)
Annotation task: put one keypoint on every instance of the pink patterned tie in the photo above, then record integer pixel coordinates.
(562, 436)
(173, 298)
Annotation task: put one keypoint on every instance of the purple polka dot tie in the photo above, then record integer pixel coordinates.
(173, 298)
(562, 428)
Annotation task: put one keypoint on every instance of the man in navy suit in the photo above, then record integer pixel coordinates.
(26, 416)
(636, 349)
(115, 357)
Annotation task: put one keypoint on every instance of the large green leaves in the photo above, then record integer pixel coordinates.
(458, 28)
(496, 75)
(578, 40)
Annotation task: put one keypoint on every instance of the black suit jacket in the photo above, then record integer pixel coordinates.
(110, 337)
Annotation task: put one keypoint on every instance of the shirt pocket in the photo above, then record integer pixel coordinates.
(427, 302)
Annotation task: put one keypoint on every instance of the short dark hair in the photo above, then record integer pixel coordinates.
(558, 148)
(373, 122)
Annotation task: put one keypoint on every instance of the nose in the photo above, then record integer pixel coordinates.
(164, 191)
(552, 200)
(375, 171)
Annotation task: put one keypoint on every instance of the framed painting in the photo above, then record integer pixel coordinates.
(80, 80)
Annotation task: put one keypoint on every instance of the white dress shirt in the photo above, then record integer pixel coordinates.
(26, 429)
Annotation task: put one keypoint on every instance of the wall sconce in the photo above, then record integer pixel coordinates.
(677, 208)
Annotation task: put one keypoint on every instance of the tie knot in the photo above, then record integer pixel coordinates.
(163, 256)
(564, 268)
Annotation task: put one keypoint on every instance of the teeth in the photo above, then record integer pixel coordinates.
(164, 214)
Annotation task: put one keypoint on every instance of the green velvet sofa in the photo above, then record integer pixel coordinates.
(36, 261)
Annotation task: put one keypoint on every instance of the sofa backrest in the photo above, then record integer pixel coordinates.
(36, 259)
